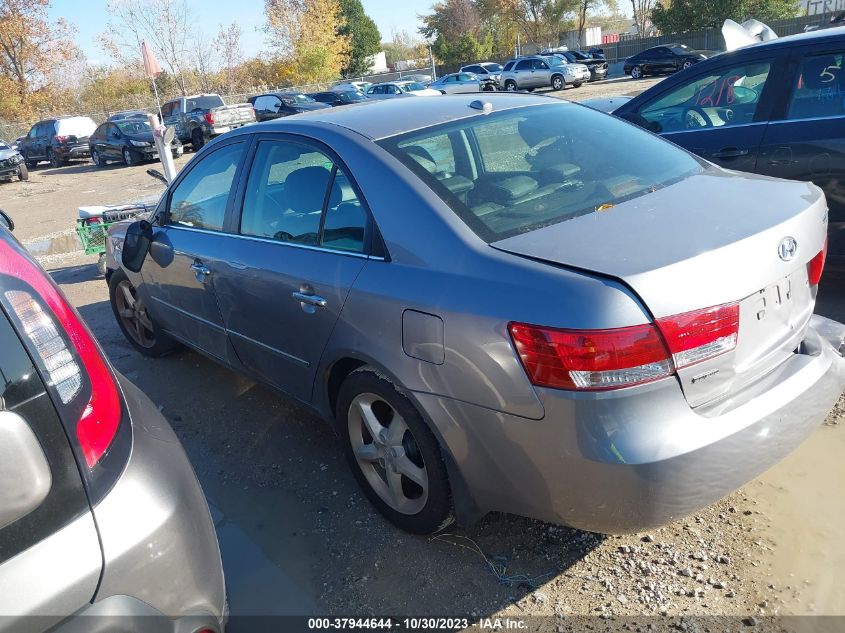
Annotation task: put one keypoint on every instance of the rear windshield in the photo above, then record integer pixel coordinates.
(76, 126)
(354, 95)
(524, 168)
(492, 67)
(204, 102)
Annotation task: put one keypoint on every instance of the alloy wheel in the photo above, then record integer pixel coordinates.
(636, 72)
(133, 315)
(387, 453)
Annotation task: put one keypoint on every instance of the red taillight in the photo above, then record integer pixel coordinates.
(816, 266)
(594, 360)
(98, 418)
(209, 118)
(60, 138)
(591, 359)
(693, 337)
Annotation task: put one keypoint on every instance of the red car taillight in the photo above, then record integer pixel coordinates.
(696, 336)
(69, 357)
(59, 138)
(597, 360)
(816, 266)
(209, 118)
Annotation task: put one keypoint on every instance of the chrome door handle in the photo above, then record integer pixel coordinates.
(312, 300)
(201, 272)
(730, 152)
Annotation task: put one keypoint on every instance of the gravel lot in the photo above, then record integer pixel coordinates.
(298, 538)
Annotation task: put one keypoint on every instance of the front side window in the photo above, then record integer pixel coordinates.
(521, 169)
(287, 192)
(728, 96)
(508, 66)
(819, 89)
(540, 65)
(199, 200)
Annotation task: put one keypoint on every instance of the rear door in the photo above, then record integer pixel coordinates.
(303, 235)
(189, 247)
(720, 114)
(806, 138)
(50, 557)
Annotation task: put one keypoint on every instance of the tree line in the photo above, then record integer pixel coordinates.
(43, 70)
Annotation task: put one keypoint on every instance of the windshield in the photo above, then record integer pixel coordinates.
(203, 102)
(681, 49)
(133, 126)
(492, 67)
(554, 61)
(524, 168)
(412, 87)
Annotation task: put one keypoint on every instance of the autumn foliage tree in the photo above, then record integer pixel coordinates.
(32, 48)
(309, 33)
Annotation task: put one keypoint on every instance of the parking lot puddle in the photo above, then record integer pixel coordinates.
(803, 499)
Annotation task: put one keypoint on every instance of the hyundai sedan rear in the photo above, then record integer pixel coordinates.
(516, 304)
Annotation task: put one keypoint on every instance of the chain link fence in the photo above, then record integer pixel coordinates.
(11, 130)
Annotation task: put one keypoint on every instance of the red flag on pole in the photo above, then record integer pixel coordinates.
(151, 66)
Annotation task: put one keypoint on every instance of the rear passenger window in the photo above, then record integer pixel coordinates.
(820, 88)
(287, 192)
(199, 200)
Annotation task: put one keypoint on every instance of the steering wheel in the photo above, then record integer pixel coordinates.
(283, 235)
(695, 118)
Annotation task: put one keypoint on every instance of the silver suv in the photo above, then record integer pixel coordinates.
(539, 71)
(100, 511)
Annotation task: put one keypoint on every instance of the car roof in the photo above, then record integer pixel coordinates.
(800, 38)
(390, 117)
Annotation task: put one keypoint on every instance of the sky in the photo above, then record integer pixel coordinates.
(90, 18)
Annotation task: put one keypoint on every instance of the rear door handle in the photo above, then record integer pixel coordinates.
(730, 152)
(309, 299)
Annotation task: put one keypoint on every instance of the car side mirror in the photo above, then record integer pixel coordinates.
(6, 221)
(25, 478)
(136, 245)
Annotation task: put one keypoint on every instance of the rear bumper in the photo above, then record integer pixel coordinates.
(67, 153)
(159, 542)
(620, 462)
(124, 613)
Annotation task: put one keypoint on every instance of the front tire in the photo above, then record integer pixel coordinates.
(23, 172)
(129, 157)
(558, 83)
(686, 65)
(134, 320)
(637, 72)
(393, 454)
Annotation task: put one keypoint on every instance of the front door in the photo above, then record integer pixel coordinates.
(806, 139)
(189, 248)
(303, 232)
(721, 115)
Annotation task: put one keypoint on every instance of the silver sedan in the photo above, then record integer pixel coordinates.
(507, 302)
(457, 83)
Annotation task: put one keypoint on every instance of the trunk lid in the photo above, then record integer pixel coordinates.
(708, 240)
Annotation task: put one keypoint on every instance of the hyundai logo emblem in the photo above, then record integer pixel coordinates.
(787, 249)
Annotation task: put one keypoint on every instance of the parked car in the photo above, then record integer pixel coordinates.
(336, 98)
(456, 83)
(538, 71)
(588, 304)
(597, 66)
(199, 118)
(393, 89)
(360, 86)
(129, 114)
(57, 140)
(278, 104)
(100, 511)
(485, 70)
(662, 59)
(772, 108)
(12, 164)
(129, 140)
(422, 78)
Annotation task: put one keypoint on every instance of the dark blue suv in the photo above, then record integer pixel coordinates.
(775, 108)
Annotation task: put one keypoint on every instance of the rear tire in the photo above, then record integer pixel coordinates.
(578, 85)
(134, 321)
(54, 160)
(197, 139)
(510, 85)
(420, 501)
(97, 159)
(23, 172)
